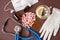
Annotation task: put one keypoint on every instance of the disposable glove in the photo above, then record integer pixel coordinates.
(51, 25)
(21, 4)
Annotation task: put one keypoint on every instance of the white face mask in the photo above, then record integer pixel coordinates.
(21, 4)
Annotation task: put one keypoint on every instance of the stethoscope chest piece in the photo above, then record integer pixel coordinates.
(17, 35)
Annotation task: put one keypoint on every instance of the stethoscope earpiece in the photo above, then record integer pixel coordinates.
(12, 11)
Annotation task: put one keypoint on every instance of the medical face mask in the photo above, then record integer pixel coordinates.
(21, 4)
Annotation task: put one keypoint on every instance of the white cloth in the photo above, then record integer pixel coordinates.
(21, 4)
(51, 25)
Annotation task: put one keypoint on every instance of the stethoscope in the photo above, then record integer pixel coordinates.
(17, 35)
(36, 35)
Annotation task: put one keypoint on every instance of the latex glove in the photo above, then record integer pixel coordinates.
(51, 25)
(21, 4)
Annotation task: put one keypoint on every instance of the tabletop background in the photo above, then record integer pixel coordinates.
(12, 24)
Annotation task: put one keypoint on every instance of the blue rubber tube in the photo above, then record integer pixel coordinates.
(36, 35)
(28, 38)
(17, 36)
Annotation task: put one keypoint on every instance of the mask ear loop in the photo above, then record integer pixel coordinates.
(5, 24)
(11, 10)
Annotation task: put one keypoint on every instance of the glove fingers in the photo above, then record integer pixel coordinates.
(46, 35)
(56, 30)
(42, 34)
(41, 29)
(49, 37)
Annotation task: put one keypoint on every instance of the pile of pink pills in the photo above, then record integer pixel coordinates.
(28, 19)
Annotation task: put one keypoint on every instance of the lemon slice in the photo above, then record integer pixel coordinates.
(39, 10)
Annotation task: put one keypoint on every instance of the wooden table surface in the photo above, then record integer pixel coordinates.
(37, 25)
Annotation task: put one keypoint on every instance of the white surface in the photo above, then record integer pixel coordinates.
(21, 4)
(51, 25)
